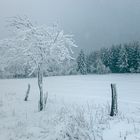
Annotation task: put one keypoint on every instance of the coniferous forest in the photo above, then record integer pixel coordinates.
(122, 58)
(117, 59)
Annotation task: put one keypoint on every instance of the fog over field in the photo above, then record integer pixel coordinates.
(94, 23)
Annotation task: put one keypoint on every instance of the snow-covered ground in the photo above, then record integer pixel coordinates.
(77, 108)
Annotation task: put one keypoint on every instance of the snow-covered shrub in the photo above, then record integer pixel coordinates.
(84, 123)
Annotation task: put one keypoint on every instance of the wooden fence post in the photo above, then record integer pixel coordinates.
(114, 104)
(27, 93)
(45, 99)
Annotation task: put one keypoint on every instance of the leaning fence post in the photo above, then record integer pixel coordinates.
(45, 99)
(27, 93)
(114, 104)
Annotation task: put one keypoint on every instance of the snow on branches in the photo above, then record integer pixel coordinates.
(34, 46)
(37, 45)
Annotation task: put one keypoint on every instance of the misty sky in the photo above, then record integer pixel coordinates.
(95, 23)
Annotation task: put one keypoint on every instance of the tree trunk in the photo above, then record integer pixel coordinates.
(40, 85)
(27, 93)
(114, 105)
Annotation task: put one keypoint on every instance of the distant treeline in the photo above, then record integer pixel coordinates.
(116, 59)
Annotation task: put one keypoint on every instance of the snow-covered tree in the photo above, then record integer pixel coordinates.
(98, 67)
(35, 46)
(90, 61)
(65, 68)
(123, 60)
(81, 63)
(68, 68)
(113, 58)
(133, 54)
(138, 59)
(105, 56)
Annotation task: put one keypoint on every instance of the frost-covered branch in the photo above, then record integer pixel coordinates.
(37, 44)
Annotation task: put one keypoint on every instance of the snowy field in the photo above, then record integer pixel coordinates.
(77, 108)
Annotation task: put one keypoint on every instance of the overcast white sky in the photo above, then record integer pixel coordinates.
(95, 23)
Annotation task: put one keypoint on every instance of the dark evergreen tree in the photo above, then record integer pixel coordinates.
(81, 63)
(90, 61)
(132, 52)
(138, 59)
(113, 58)
(123, 60)
(105, 56)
